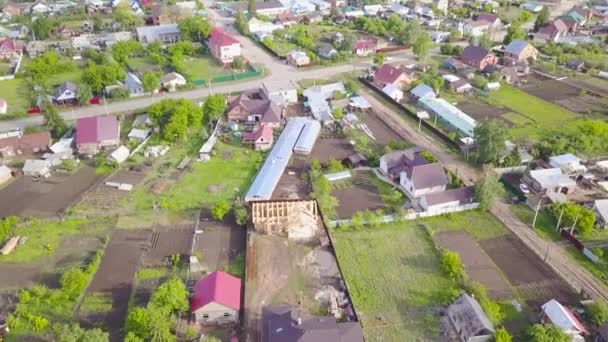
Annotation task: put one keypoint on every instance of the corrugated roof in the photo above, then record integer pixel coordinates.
(516, 46)
(449, 113)
(308, 137)
(217, 287)
(269, 174)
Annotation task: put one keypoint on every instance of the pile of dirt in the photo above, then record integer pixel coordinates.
(159, 186)
(215, 188)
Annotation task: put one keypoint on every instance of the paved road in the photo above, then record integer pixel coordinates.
(553, 253)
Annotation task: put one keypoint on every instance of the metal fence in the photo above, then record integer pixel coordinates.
(255, 71)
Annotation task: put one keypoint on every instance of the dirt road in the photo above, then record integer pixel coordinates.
(554, 254)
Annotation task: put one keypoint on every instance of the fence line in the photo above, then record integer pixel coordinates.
(410, 216)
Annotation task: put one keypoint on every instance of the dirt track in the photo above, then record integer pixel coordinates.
(557, 258)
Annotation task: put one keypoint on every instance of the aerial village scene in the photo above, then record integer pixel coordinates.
(304, 170)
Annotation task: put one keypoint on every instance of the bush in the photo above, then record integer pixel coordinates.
(502, 335)
(220, 210)
(597, 312)
(452, 265)
(479, 82)
(240, 214)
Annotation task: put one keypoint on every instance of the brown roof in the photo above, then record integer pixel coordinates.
(247, 104)
(474, 53)
(26, 144)
(462, 195)
(427, 175)
(387, 74)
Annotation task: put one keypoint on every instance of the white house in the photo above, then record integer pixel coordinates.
(216, 299)
(5, 174)
(258, 26)
(568, 163)
(281, 92)
(66, 92)
(37, 168)
(3, 106)
(120, 154)
(172, 81)
(442, 200)
(555, 313)
(223, 46)
(394, 92)
(373, 10)
(298, 58)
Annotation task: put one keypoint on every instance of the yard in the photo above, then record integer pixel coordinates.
(396, 290)
(227, 175)
(545, 115)
(16, 94)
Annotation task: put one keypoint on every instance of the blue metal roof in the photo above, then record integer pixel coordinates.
(269, 174)
(307, 139)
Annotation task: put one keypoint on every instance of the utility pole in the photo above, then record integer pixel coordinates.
(536, 211)
(559, 220)
(574, 224)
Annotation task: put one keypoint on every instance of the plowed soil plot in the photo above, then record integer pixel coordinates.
(358, 195)
(527, 272)
(45, 197)
(167, 242)
(331, 148)
(480, 111)
(479, 267)
(551, 90)
(120, 261)
(382, 132)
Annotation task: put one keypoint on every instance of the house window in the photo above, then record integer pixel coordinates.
(205, 316)
(226, 314)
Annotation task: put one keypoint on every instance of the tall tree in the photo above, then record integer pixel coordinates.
(410, 32)
(514, 32)
(422, 45)
(484, 41)
(488, 188)
(124, 15)
(150, 82)
(240, 23)
(42, 27)
(490, 136)
(251, 9)
(542, 19)
(84, 94)
(214, 107)
(194, 28)
(53, 121)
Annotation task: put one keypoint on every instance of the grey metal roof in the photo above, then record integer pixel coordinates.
(269, 174)
(422, 90)
(307, 139)
(133, 82)
(468, 317)
(516, 46)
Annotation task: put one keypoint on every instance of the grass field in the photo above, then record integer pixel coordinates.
(480, 224)
(144, 64)
(97, 302)
(545, 114)
(43, 239)
(230, 171)
(150, 273)
(203, 67)
(16, 94)
(394, 288)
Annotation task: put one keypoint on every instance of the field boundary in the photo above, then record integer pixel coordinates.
(412, 115)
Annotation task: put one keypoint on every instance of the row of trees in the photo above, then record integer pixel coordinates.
(32, 314)
(156, 321)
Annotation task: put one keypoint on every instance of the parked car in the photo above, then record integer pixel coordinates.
(524, 188)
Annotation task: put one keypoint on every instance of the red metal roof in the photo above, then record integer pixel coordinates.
(217, 287)
(219, 37)
(264, 132)
(387, 74)
(96, 129)
(7, 44)
(364, 44)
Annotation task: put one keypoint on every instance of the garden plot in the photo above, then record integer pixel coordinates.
(46, 197)
(166, 242)
(382, 132)
(115, 274)
(478, 265)
(327, 149)
(104, 197)
(564, 95)
(481, 111)
(528, 274)
(394, 276)
(220, 244)
(357, 194)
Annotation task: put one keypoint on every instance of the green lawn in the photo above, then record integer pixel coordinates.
(394, 277)
(144, 64)
(204, 67)
(480, 224)
(226, 175)
(97, 302)
(545, 114)
(44, 239)
(16, 93)
(150, 273)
